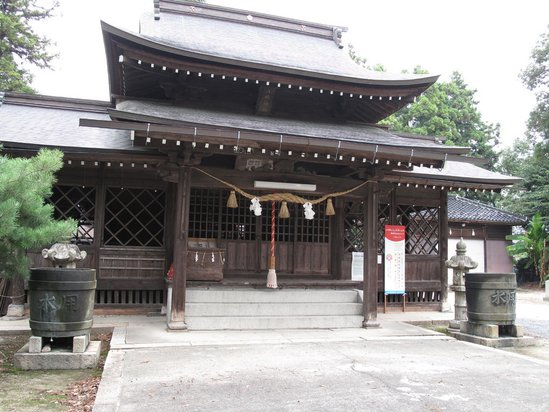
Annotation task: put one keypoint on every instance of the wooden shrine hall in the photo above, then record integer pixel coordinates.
(237, 144)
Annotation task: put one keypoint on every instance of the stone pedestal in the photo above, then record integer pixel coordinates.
(460, 307)
(494, 336)
(57, 359)
(491, 331)
(15, 312)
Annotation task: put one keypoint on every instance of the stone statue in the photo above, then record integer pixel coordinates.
(64, 255)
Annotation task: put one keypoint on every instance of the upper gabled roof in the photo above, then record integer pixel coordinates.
(258, 40)
(192, 52)
(461, 209)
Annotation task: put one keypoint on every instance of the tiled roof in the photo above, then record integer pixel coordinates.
(154, 112)
(462, 171)
(244, 40)
(48, 121)
(461, 209)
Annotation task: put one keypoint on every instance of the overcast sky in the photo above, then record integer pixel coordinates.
(488, 41)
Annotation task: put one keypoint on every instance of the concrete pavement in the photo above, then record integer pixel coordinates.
(397, 366)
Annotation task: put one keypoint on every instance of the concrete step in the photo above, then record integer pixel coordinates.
(272, 322)
(240, 308)
(273, 309)
(239, 295)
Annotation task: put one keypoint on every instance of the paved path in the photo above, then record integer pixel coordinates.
(533, 313)
(395, 367)
(420, 373)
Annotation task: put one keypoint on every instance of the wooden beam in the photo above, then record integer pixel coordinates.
(369, 305)
(179, 286)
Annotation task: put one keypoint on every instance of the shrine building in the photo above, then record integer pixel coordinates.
(232, 137)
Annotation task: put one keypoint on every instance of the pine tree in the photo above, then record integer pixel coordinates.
(26, 220)
(20, 46)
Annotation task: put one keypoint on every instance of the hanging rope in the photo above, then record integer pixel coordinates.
(272, 262)
(288, 197)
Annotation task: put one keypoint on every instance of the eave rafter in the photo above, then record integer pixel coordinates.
(385, 99)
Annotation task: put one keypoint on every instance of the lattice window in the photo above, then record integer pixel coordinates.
(422, 234)
(204, 213)
(284, 228)
(354, 227)
(384, 218)
(239, 223)
(76, 202)
(316, 230)
(353, 239)
(134, 217)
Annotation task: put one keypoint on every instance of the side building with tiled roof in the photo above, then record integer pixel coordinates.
(483, 228)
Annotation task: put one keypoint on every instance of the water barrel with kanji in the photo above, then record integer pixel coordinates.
(491, 298)
(61, 301)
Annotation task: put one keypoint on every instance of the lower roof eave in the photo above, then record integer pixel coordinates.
(448, 184)
(367, 152)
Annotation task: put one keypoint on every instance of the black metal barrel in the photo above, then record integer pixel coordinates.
(491, 298)
(61, 301)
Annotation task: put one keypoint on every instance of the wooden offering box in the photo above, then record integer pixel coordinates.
(204, 260)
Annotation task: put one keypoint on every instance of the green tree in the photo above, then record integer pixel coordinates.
(449, 110)
(532, 245)
(26, 220)
(536, 78)
(20, 46)
(363, 61)
(529, 156)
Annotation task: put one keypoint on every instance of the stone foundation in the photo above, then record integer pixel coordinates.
(39, 354)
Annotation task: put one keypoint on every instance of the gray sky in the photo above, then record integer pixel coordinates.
(488, 41)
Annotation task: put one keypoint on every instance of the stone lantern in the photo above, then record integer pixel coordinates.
(460, 264)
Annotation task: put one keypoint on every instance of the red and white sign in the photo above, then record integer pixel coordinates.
(395, 239)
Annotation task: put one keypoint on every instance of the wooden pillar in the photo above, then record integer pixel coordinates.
(443, 250)
(99, 227)
(181, 224)
(370, 256)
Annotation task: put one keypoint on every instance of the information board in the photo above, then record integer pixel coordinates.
(395, 238)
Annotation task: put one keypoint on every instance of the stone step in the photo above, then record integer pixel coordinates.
(273, 309)
(238, 295)
(270, 322)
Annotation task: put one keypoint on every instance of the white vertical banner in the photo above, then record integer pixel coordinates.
(357, 266)
(395, 238)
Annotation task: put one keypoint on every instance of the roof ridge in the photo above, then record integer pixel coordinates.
(249, 17)
(56, 102)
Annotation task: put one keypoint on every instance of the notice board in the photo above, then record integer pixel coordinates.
(395, 238)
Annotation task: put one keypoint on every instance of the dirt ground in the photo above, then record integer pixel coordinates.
(52, 390)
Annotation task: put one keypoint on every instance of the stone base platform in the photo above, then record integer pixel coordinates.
(503, 342)
(58, 358)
